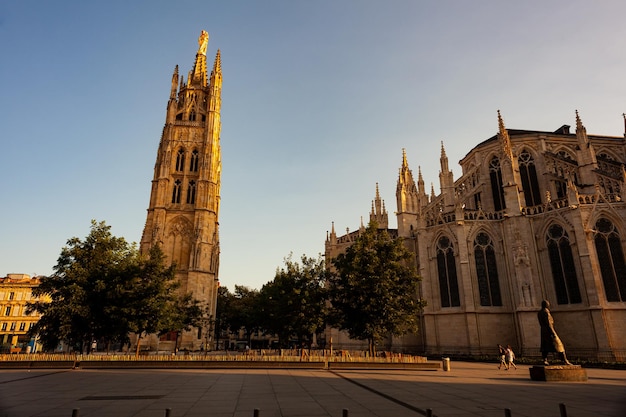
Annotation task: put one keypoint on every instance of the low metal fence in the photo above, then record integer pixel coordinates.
(345, 412)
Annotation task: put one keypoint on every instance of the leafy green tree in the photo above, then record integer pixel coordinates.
(223, 313)
(374, 292)
(294, 303)
(238, 310)
(102, 289)
(154, 303)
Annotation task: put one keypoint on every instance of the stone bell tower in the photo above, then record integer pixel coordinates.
(185, 199)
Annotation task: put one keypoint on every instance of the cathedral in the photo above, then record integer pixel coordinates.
(534, 216)
(184, 203)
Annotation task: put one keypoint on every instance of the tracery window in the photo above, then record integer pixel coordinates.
(564, 172)
(446, 269)
(528, 173)
(191, 192)
(611, 259)
(487, 271)
(495, 174)
(562, 266)
(193, 163)
(477, 201)
(561, 189)
(180, 160)
(565, 155)
(176, 192)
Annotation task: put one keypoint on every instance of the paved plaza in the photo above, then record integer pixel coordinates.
(469, 389)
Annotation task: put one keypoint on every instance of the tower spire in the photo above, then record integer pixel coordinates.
(420, 182)
(407, 200)
(446, 178)
(443, 159)
(581, 133)
(183, 211)
(215, 103)
(379, 214)
(174, 84)
(505, 140)
(198, 76)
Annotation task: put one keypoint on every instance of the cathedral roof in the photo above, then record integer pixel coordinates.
(562, 131)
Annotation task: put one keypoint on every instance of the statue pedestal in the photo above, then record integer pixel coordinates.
(558, 373)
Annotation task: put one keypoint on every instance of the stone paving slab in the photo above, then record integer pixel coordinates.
(469, 389)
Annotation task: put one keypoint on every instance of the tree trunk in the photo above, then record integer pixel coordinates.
(138, 344)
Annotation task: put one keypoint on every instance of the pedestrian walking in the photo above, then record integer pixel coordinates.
(502, 355)
(509, 357)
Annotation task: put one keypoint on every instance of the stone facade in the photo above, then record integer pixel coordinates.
(535, 215)
(15, 293)
(185, 199)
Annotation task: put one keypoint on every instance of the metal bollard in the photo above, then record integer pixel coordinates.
(429, 412)
(168, 411)
(345, 412)
(445, 364)
(507, 412)
(75, 412)
(563, 410)
(257, 412)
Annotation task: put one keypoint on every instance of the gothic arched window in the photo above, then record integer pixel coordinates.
(176, 192)
(611, 260)
(446, 268)
(495, 174)
(528, 173)
(180, 160)
(193, 163)
(487, 271)
(191, 192)
(562, 265)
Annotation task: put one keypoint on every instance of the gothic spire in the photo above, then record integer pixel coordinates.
(406, 192)
(379, 213)
(217, 64)
(198, 76)
(581, 133)
(443, 160)
(505, 140)
(421, 188)
(174, 83)
(215, 103)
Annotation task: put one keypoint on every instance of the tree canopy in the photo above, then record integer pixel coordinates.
(374, 289)
(294, 303)
(103, 289)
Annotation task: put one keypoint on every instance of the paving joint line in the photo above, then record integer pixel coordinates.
(33, 376)
(382, 394)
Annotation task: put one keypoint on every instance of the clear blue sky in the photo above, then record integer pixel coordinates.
(318, 100)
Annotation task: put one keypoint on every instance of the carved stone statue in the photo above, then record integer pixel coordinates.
(550, 341)
(203, 42)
